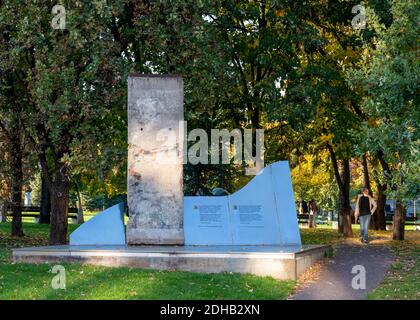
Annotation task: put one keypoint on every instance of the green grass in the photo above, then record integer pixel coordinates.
(30, 281)
(319, 235)
(403, 279)
(87, 215)
(24, 281)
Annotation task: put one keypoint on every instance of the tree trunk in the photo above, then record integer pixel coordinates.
(15, 152)
(344, 204)
(366, 184)
(342, 177)
(399, 222)
(380, 210)
(45, 216)
(366, 179)
(3, 212)
(381, 190)
(59, 206)
(17, 178)
(80, 217)
(373, 225)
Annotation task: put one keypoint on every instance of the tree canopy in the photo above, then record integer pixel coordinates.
(326, 94)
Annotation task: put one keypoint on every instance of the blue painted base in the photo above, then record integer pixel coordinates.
(261, 213)
(106, 228)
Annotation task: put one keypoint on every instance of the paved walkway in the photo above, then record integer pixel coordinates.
(335, 278)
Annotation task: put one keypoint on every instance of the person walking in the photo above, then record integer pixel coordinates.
(313, 210)
(365, 207)
(303, 207)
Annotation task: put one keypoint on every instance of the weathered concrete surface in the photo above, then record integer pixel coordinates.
(155, 159)
(280, 262)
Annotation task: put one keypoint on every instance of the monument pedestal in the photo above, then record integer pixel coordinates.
(279, 262)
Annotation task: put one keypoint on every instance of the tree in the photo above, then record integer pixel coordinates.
(4, 178)
(317, 101)
(388, 75)
(45, 203)
(312, 179)
(381, 187)
(11, 129)
(72, 88)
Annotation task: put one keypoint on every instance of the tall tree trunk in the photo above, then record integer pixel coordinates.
(15, 149)
(399, 222)
(366, 184)
(80, 217)
(342, 176)
(366, 179)
(345, 208)
(3, 212)
(380, 210)
(16, 175)
(45, 216)
(59, 205)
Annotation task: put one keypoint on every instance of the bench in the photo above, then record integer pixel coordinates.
(35, 212)
(304, 218)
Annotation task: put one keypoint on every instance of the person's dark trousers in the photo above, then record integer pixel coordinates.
(364, 226)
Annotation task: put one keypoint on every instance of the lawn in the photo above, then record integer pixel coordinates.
(403, 279)
(29, 281)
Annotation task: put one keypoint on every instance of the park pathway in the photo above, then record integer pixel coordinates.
(334, 281)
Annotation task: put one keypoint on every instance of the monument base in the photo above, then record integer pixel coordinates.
(155, 236)
(279, 262)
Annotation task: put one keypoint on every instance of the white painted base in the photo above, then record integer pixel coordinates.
(280, 262)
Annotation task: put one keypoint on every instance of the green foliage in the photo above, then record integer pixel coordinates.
(388, 75)
(71, 89)
(276, 65)
(312, 179)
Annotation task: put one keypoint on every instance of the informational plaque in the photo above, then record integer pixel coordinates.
(207, 221)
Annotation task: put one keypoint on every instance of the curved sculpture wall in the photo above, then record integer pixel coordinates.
(106, 228)
(261, 213)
